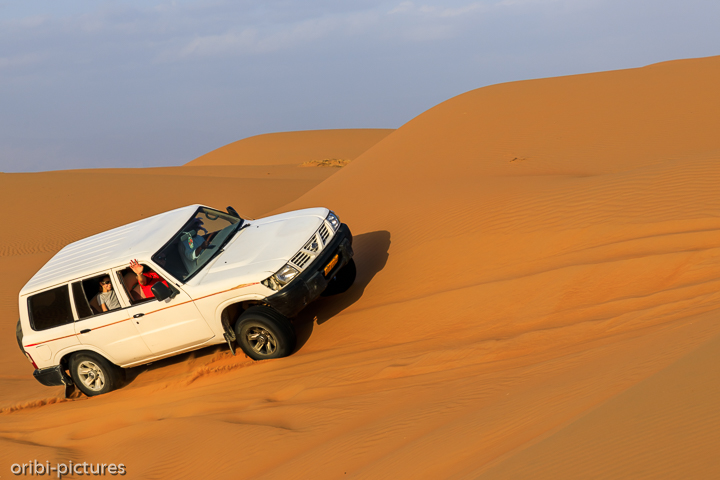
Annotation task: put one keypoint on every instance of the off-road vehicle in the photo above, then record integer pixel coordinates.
(218, 279)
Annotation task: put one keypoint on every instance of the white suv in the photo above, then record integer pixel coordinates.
(218, 278)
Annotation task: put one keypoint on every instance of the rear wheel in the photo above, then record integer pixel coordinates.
(93, 374)
(263, 333)
(342, 280)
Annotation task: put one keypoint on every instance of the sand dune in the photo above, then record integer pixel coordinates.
(663, 427)
(538, 281)
(294, 148)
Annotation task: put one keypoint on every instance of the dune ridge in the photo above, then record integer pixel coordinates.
(294, 148)
(538, 264)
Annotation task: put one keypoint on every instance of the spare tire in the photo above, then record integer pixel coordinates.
(19, 336)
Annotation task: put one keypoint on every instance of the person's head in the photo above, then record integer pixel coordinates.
(105, 285)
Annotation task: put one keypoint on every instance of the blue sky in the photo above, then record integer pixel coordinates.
(152, 83)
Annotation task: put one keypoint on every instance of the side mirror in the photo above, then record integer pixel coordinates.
(161, 291)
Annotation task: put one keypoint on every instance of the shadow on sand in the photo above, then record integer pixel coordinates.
(371, 254)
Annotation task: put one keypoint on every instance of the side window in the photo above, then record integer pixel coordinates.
(82, 306)
(136, 292)
(50, 308)
(92, 293)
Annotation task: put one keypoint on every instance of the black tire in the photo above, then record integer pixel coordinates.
(342, 280)
(93, 374)
(19, 336)
(263, 333)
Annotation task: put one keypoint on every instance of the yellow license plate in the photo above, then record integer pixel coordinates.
(330, 265)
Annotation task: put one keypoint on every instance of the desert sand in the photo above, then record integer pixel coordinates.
(537, 297)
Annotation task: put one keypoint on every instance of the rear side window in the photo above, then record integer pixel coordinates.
(81, 303)
(50, 308)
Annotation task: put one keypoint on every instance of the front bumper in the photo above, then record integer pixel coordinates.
(52, 376)
(312, 282)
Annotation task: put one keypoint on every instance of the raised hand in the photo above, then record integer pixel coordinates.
(136, 267)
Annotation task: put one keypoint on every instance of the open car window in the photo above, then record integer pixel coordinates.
(133, 290)
(86, 296)
(197, 242)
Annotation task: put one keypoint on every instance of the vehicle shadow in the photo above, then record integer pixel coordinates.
(371, 255)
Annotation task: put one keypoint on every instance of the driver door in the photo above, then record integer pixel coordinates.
(171, 325)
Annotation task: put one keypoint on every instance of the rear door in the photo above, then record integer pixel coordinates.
(113, 332)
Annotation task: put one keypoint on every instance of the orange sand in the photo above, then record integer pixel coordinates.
(537, 297)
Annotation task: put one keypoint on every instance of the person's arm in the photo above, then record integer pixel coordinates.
(104, 307)
(138, 269)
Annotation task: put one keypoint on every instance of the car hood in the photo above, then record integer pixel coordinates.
(261, 248)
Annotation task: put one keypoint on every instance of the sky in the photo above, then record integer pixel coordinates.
(90, 84)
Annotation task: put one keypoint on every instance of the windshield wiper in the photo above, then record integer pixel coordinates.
(236, 228)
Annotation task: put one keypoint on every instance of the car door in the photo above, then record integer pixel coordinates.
(112, 332)
(170, 325)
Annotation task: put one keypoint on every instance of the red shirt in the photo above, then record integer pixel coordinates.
(152, 278)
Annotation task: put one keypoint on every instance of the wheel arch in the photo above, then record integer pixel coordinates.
(230, 311)
(63, 357)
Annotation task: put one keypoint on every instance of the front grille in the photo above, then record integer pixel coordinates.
(324, 233)
(312, 245)
(312, 248)
(300, 259)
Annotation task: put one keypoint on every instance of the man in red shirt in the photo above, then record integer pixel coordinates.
(146, 280)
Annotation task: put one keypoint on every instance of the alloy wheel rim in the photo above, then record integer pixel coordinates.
(91, 375)
(262, 341)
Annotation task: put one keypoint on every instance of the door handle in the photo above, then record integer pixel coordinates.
(87, 330)
(138, 315)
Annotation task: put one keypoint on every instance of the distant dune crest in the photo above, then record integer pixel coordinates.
(327, 162)
(286, 148)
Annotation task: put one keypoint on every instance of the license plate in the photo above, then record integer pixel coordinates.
(330, 265)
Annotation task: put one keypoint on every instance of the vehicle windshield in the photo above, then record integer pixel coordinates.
(197, 242)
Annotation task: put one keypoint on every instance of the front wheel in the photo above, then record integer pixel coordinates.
(263, 333)
(342, 280)
(93, 374)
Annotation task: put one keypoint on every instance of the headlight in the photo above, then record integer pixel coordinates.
(285, 275)
(333, 220)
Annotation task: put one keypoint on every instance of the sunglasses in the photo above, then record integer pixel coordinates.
(105, 282)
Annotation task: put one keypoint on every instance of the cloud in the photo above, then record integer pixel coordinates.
(253, 40)
(403, 7)
(461, 9)
(183, 31)
(439, 11)
(22, 60)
